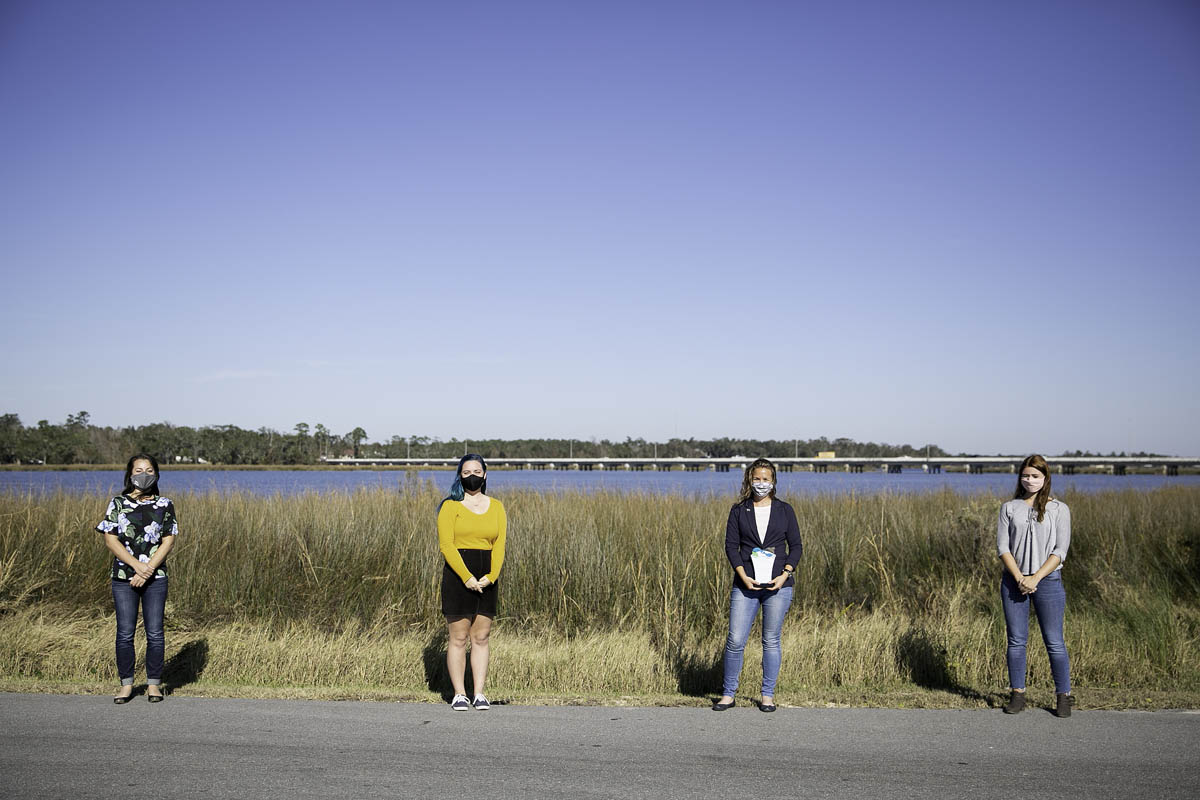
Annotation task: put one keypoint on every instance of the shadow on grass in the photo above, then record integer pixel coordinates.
(434, 658)
(927, 663)
(185, 666)
(697, 674)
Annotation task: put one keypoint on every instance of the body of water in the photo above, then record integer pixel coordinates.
(690, 483)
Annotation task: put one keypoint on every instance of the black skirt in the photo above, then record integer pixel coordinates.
(457, 599)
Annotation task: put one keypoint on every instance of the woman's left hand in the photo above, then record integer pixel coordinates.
(484, 582)
(1028, 584)
(778, 583)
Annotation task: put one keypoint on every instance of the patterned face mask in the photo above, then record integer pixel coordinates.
(761, 488)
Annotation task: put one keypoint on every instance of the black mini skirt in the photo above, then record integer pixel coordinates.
(457, 599)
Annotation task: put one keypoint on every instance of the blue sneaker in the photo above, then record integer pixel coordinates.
(481, 703)
(459, 703)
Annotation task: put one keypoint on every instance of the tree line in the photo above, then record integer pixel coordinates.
(78, 441)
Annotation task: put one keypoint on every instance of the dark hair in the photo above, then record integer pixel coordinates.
(456, 489)
(747, 489)
(1043, 495)
(129, 487)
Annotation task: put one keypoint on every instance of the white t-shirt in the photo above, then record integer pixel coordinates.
(762, 515)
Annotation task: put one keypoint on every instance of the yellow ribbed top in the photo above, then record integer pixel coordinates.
(459, 528)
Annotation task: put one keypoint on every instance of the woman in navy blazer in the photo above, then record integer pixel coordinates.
(758, 520)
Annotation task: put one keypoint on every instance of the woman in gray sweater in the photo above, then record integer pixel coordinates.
(1032, 537)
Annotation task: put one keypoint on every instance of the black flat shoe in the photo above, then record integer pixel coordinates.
(154, 698)
(767, 707)
(122, 700)
(723, 706)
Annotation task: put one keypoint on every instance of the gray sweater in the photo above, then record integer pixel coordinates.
(1031, 542)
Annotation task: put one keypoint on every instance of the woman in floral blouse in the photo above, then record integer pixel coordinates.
(139, 529)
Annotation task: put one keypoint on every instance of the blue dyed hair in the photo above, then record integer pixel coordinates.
(456, 489)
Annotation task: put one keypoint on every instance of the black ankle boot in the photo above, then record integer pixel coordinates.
(1016, 703)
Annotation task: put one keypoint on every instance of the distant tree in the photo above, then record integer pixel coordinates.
(11, 436)
(356, 436)
(321, 436)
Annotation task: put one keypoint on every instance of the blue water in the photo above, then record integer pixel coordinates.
(688, 483)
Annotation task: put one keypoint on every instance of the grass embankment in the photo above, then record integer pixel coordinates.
(607, 597)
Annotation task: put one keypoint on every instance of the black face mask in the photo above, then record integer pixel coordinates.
(472, 483)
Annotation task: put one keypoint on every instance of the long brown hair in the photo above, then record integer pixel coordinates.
(747, 489)
(1043, 496)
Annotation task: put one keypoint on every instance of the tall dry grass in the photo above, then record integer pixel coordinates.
(892, 589)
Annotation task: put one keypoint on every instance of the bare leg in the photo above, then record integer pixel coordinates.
(481, 630)
(456, 652)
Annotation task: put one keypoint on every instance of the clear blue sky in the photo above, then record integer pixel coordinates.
(973, 224)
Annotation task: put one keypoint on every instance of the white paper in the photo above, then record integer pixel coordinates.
(763, 562)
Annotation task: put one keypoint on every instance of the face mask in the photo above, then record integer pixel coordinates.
(761, 488)
(1033, 485)
(143, 480)
(472, 483)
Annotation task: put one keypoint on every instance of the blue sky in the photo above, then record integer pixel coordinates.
(972, 224)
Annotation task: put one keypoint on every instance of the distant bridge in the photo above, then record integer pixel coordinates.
(1069, 465)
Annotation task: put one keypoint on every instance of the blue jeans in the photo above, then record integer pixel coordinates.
(743, 608)
(153, 599)
(1049, 601)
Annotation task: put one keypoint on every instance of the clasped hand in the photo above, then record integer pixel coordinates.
(1027, 584)
(478, 584)
(142, 572)
(772, 585)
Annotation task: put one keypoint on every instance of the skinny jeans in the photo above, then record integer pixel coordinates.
(152, 596)
(1050, 603)
(743, 608)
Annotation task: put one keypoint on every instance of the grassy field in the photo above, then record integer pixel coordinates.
(607, 597)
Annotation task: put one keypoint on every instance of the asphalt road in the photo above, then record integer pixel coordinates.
(86, 747)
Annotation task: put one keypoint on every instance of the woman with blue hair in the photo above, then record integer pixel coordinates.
(471, 531)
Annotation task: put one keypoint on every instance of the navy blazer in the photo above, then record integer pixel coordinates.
(782, 538)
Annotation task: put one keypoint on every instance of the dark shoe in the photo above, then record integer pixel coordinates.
(122, 700)
(1062, 707)
(154, 698)
(1016, 703)
(767, 707)
(718, 706)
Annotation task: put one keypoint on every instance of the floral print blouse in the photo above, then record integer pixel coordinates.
(140, 525)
